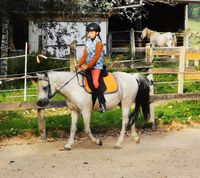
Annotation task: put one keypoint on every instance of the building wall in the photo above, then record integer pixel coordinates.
(71, 31)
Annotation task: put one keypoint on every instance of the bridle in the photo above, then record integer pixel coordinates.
(50, 94)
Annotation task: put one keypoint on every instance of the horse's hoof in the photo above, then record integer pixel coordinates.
(100, 142)
(136, 139)
(43, 137)
(117, 146)
(68, 148)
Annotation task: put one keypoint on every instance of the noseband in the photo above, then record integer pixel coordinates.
(50, 95)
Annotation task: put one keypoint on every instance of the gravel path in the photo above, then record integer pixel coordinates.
(174, 154)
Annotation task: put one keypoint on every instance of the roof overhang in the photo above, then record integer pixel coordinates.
(178, 1)
(188, 1)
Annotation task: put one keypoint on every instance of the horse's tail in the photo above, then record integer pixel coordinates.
(142, 100)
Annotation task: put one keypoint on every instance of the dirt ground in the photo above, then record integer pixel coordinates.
(174, 154)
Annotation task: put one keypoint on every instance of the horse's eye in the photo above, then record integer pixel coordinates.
(45, 88)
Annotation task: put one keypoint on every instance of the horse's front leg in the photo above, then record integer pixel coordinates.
(86, 119)
(125, 112)
(74, 118)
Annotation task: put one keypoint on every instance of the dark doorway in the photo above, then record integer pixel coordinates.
(20, 33)
(164, 18)
(0, 32)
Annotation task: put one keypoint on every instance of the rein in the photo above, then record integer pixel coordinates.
(50, 95)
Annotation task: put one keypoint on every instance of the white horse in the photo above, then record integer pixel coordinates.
(131, 88)
(167, 39)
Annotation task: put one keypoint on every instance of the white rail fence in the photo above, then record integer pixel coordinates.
(23, 76)
(183, 54)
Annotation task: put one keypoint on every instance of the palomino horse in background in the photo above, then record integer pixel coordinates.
(131, 88)
(167, 39)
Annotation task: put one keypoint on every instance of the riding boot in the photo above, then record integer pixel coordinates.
(94, 97)
(102, 107)
(102, 101)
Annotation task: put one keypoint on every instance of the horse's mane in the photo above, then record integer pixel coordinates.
(150, 32)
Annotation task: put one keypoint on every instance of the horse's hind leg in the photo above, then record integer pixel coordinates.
(74, 118)
(134, 134)
(86, 119)
(125, 112)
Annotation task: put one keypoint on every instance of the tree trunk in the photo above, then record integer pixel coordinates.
(4, 46)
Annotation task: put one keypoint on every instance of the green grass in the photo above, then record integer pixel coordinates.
(194, 25)
(14, 123)
(16, 93)
(18, 122)
(184, 112)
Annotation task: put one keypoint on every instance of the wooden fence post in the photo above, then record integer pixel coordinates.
(181, 70)
(109, 46)
(41, 124)
(149, 53)
(149, 59)
(73, 55)
(132, 43)
(152, 106)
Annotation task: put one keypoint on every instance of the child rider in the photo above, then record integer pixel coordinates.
(92, 61)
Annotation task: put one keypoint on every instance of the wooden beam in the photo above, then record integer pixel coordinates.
(192, 55)
(166, 52)
(120, 50)
(164, 71)
(184, 96)
(30, 105)
(61, 103)
(192, 76)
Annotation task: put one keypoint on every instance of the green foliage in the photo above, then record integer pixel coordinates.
(163, 83)
(14, 123)
(194, 11)
(16, 68)
(162, 88)
(193, 87)
(164, 62)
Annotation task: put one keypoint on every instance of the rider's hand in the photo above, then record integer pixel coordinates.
(84, 67)
(77, 66)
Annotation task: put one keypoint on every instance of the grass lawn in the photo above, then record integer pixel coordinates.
(194, 25)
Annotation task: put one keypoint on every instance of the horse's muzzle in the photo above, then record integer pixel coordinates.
(43, 102)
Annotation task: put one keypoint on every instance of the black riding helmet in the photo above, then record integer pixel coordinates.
(93, 27)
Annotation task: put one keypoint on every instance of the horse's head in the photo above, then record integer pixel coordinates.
(44, 89)
(146, 32)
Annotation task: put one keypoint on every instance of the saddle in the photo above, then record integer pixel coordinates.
(108, 82)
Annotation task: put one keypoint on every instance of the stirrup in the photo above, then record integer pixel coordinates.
(102, 108)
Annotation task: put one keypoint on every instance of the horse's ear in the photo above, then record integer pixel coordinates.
(38, 76)
(33, 78)
(41, 75)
